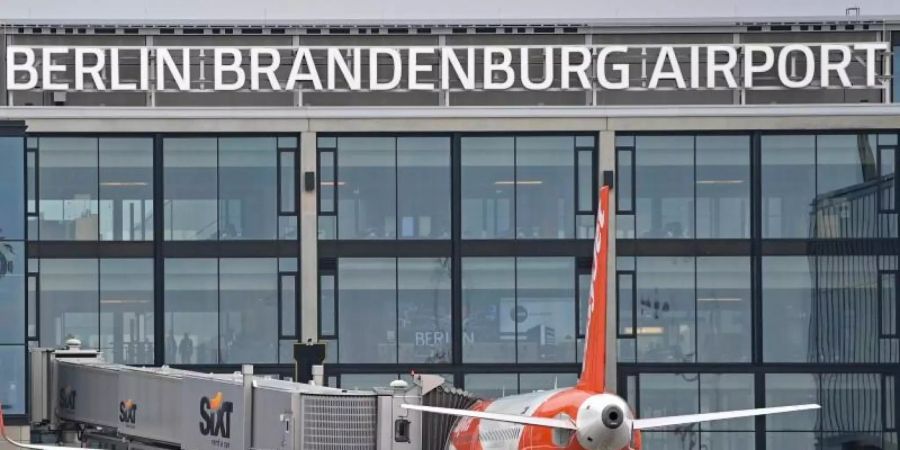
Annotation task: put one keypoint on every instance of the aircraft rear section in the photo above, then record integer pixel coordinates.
(76, 394)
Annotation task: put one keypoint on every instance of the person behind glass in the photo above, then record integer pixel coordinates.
(171, 346)
(186, 349)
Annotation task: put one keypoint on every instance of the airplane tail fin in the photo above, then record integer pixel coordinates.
(2, 425)
(593, 366)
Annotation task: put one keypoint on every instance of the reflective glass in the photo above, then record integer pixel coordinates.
(788, 178)
(68, 206)
(367, 301)
(730, 440)
(69, 302)
(624, 182)
(423, 187)
(367, 188)
(248, 310)
(192, 311)
(126, 189)
(847, 309)
(787, 302)
(12, 188)
(846, 173)
(545, 190)
(191, 189)
(247, 188)
(288, 289)
(367, 381)
(665, 309)
(326, 305)
(726, 392)
(669, 394)
(723, 309)
(857, 392)
(126, 310)
(423, 306)
(723, 187)
(792, 389)
(492, 385)
(489, 307)
(12, 293)
(12, 379)
(664, 177)
(544, 314)
(532, 382)
(488, 187)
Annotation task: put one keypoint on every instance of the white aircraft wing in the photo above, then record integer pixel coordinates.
(659, 422)
(509, 418)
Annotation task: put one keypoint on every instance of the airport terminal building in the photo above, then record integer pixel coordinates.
(211, 208)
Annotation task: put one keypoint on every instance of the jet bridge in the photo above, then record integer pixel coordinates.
(120, 407)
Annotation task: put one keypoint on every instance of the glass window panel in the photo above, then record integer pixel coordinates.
(624, 141)
(288, 305)
(670, 440)
(12, 379)
(423, 322)
(287, 142)
(489, 301)
(69, 302)
(584, 300)
(723, 187)
(31, 186)
(367, 188)
(12, 195)
(32, 307)
(288, 182)
(846, 308)
(286, 351)
(723, 309)
(126, 310)
(191, 189)
(584, 141)
(625, 286)
(68, 205)
(192, 311)
(327, 142)
(488, 187)
(326, 306)
(787, 302)
(423, 187)
(247, 188)
(367, 299)
(669, 394)
(248, 302)
(532, 382)
(729, 440)
(792, 440)
(845, 207)
(856, 392)
(492, 385)
(287, 227)
(585, 180)
(788, 185)
(726, 392)
(327, 227)
(126, 189)
(12, 293)
(792, 389)
(544, 314)
(664, 186)
(545, 191)
(665, 308)
(888, 163)
(888, 300)
(326, 182)
(624, 183)
(367, 381)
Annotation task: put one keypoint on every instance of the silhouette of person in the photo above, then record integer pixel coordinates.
(186, 349)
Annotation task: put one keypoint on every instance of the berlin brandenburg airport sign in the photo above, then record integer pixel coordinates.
(790, 66)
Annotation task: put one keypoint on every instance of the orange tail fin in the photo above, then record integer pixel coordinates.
(593, 366)
(2, 426)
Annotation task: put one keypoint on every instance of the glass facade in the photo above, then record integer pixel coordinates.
(476, 246)
(13, 297)
(724, 308)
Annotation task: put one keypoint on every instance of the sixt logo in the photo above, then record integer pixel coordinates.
(215, 415)
(128, 412)
(67, 397)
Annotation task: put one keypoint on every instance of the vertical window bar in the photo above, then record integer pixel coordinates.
(625, 319)
(887, 298)
(887, 163)
(624, 187)
(287, 183)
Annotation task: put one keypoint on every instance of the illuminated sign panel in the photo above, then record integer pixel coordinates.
(424, 68)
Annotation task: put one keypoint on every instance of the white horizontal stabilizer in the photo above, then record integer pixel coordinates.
(509, 418)
(659, 422)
